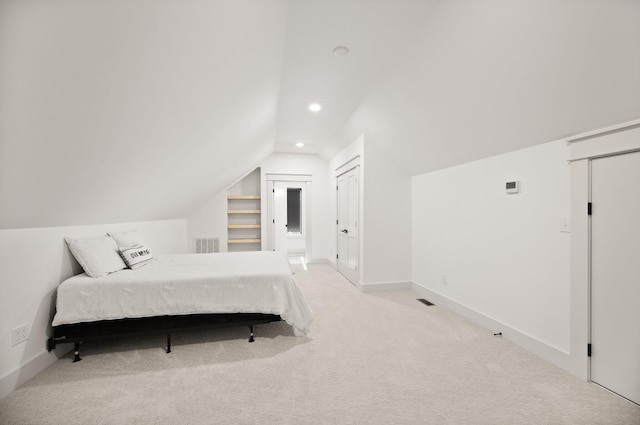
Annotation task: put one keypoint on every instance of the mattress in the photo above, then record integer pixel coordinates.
(243, 282)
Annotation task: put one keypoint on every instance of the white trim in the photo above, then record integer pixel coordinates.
(384, 286)
(348, 166)
(289, 177)
(28, 370)
(604, 155)
(601, 131)
(319, 261)
(624, 139)
(547, 352)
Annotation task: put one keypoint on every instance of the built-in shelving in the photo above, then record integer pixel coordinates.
(244, 226)
(243, 241)
(243, 197)
(244, 213)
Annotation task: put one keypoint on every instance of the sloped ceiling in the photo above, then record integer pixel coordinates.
(114, 111)
(492, 76)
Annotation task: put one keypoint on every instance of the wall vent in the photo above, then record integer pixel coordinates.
(207, 245)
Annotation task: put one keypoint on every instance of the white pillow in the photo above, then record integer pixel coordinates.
(97, 255)
(128, 238)
(135, 256)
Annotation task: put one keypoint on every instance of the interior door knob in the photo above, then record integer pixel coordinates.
(344, 231)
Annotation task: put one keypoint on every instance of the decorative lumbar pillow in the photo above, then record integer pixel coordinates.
(97, 255)
(135, 256)
(128, 238)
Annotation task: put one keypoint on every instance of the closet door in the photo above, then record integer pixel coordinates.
(348, 201)
(615, 274)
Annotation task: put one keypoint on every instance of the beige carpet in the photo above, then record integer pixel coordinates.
(369, 359)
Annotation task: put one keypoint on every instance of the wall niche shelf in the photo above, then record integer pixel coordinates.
(241, 197)
(244, 227)
(243, 241)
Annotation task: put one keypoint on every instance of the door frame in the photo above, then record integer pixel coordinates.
(299, 180)
(354, 162)
(591, 263)
(616, 139)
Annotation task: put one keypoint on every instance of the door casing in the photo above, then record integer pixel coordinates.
(348, 224)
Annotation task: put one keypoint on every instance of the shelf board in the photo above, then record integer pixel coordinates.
(244, 240)
(238, 197)
(243, 212)
(244, 226)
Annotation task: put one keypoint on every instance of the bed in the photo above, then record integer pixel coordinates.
(179, 292)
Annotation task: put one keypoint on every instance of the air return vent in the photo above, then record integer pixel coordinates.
(207, 245)
(425, 302)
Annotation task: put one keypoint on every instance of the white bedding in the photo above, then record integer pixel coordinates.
(243, 282)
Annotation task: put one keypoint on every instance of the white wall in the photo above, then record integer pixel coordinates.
(503, 256)
(209, 221)
(385, 216)
(33, 263)
(387, 219)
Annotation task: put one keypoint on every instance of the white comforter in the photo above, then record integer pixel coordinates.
(244, 282)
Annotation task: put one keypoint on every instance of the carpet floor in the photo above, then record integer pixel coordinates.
(381, 358)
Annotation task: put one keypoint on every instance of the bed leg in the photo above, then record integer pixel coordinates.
(251, 333)
(76, 353)
(168, 342)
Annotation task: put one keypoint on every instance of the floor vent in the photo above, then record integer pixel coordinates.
(425, 302)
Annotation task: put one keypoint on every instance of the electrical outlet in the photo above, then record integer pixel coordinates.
(19, 334)
(444, 279)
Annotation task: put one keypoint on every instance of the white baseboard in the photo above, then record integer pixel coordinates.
(319, 261)
(384, 286)
(547, 352)
(17, 377)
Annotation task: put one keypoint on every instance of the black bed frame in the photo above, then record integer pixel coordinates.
(91, 331)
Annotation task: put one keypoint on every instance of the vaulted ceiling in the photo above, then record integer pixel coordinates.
(116, 111)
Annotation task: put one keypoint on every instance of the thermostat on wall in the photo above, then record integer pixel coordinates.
(513, 186)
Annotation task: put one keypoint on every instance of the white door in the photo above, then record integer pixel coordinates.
(348, 200)
(615, 274)
(279, 217)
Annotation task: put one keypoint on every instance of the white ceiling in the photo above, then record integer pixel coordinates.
(376, 32)
(141, 110)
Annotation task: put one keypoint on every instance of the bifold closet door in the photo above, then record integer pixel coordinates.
(615, 274)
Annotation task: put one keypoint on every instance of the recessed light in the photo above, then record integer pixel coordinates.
(300, 144)
(314, 107)
(341, 51)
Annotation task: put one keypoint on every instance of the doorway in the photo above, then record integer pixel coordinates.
(615, 274)
(289, 217)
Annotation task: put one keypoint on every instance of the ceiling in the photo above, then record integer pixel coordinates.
(377, 34)
(143, 110)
